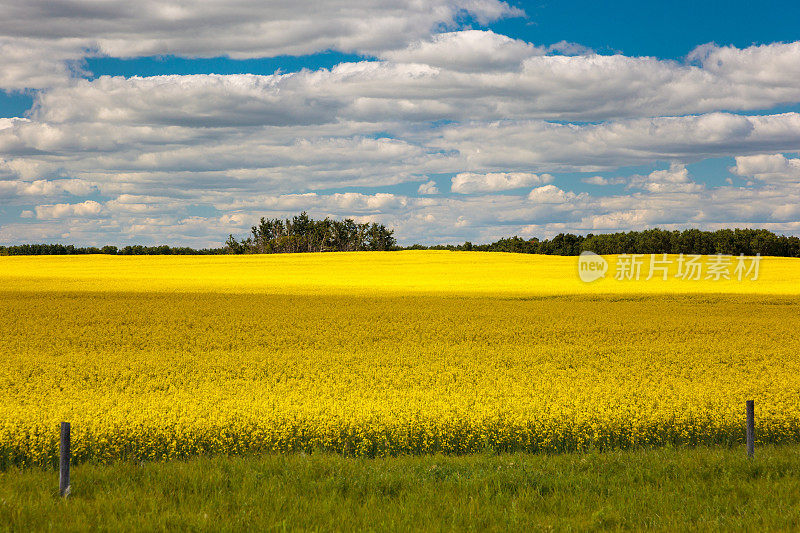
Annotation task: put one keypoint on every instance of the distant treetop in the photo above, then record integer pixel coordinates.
(304, 234)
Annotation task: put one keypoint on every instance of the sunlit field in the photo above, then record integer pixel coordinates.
(358, 273)
(373, 354)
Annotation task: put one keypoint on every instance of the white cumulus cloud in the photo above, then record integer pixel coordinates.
(429, 187)
(768, 167)
(471, 182)
(87, 208)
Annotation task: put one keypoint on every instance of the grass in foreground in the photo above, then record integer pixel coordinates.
(662, 489)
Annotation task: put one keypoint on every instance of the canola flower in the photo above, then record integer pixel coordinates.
(384, 353)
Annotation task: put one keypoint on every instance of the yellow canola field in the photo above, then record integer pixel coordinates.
(385, 353)
(477, 273)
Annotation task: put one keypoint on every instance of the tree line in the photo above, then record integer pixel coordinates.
(302, 233)
(69, 249)
(652, 241)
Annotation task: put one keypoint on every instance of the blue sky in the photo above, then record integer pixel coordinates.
(452, 121)
(669, 30)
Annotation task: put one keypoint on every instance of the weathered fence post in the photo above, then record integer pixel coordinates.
(63, 466)
(751, 428)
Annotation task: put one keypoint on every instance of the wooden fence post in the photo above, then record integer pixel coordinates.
(63, 465)
(751, 428)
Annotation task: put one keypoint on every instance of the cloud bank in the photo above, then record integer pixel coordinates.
(446, 133)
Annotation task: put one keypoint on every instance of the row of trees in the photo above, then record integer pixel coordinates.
(653, 241)
(69, 249)
(304, 234)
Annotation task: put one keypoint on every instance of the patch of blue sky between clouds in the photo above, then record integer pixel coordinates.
(15, 103)
(713, 172)
(668, 30)
(406, 188)
(13, 214)
(164, 65)
(776, 110)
